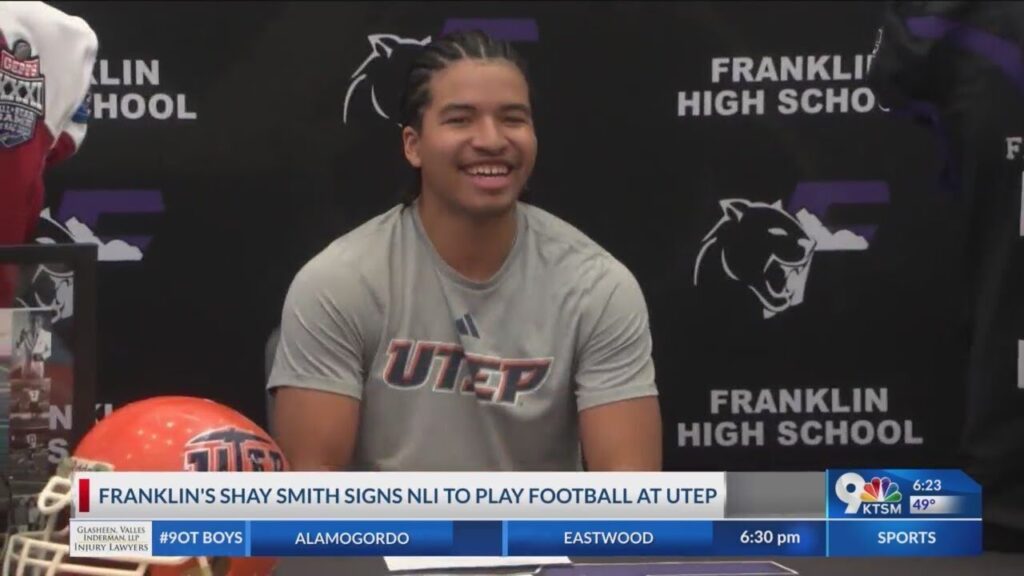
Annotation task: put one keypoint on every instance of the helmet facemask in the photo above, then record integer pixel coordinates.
(46, 551)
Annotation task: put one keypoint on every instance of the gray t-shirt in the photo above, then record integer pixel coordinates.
(460, 375)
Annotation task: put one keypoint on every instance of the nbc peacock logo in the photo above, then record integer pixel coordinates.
(882, 490)
(879, 497)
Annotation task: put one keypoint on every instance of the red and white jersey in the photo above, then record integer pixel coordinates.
(46, 61)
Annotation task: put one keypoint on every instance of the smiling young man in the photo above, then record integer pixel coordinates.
(464, 329)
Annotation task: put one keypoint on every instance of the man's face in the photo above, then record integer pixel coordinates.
(476, 147)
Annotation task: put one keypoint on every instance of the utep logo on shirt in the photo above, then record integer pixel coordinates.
(490, 379)
(231, 450)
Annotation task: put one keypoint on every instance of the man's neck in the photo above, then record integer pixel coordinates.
(476, 248)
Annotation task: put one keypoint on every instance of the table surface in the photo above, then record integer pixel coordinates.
(988, 564)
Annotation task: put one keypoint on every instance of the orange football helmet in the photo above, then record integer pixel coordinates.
(172, 433)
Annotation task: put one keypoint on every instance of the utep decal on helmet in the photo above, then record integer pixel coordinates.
(232, 450)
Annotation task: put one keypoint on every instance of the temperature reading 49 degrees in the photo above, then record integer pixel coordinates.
(922, 504)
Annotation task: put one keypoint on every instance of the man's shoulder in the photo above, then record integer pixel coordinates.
(358, 258)
(363, 247)
(565, 246)
(558, 238)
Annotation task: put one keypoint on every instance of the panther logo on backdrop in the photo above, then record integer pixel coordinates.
(768, 249)
(762, 247)
(376, 85)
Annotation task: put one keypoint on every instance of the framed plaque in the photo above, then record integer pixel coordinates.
(47, 366)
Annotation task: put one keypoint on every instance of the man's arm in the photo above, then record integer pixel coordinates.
(316, 430)
(619, 417)
(622, 436)
(329, 321)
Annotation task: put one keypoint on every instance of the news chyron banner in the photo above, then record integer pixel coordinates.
(914, 512)
(863, 512)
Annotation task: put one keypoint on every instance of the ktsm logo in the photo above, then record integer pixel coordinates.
(879, 497)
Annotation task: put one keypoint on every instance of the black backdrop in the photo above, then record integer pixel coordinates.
(225, 146)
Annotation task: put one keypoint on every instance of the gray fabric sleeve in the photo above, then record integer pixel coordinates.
(614, 358)
(327, 325)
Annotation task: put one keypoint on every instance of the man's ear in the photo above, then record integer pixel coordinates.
(411, 146)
